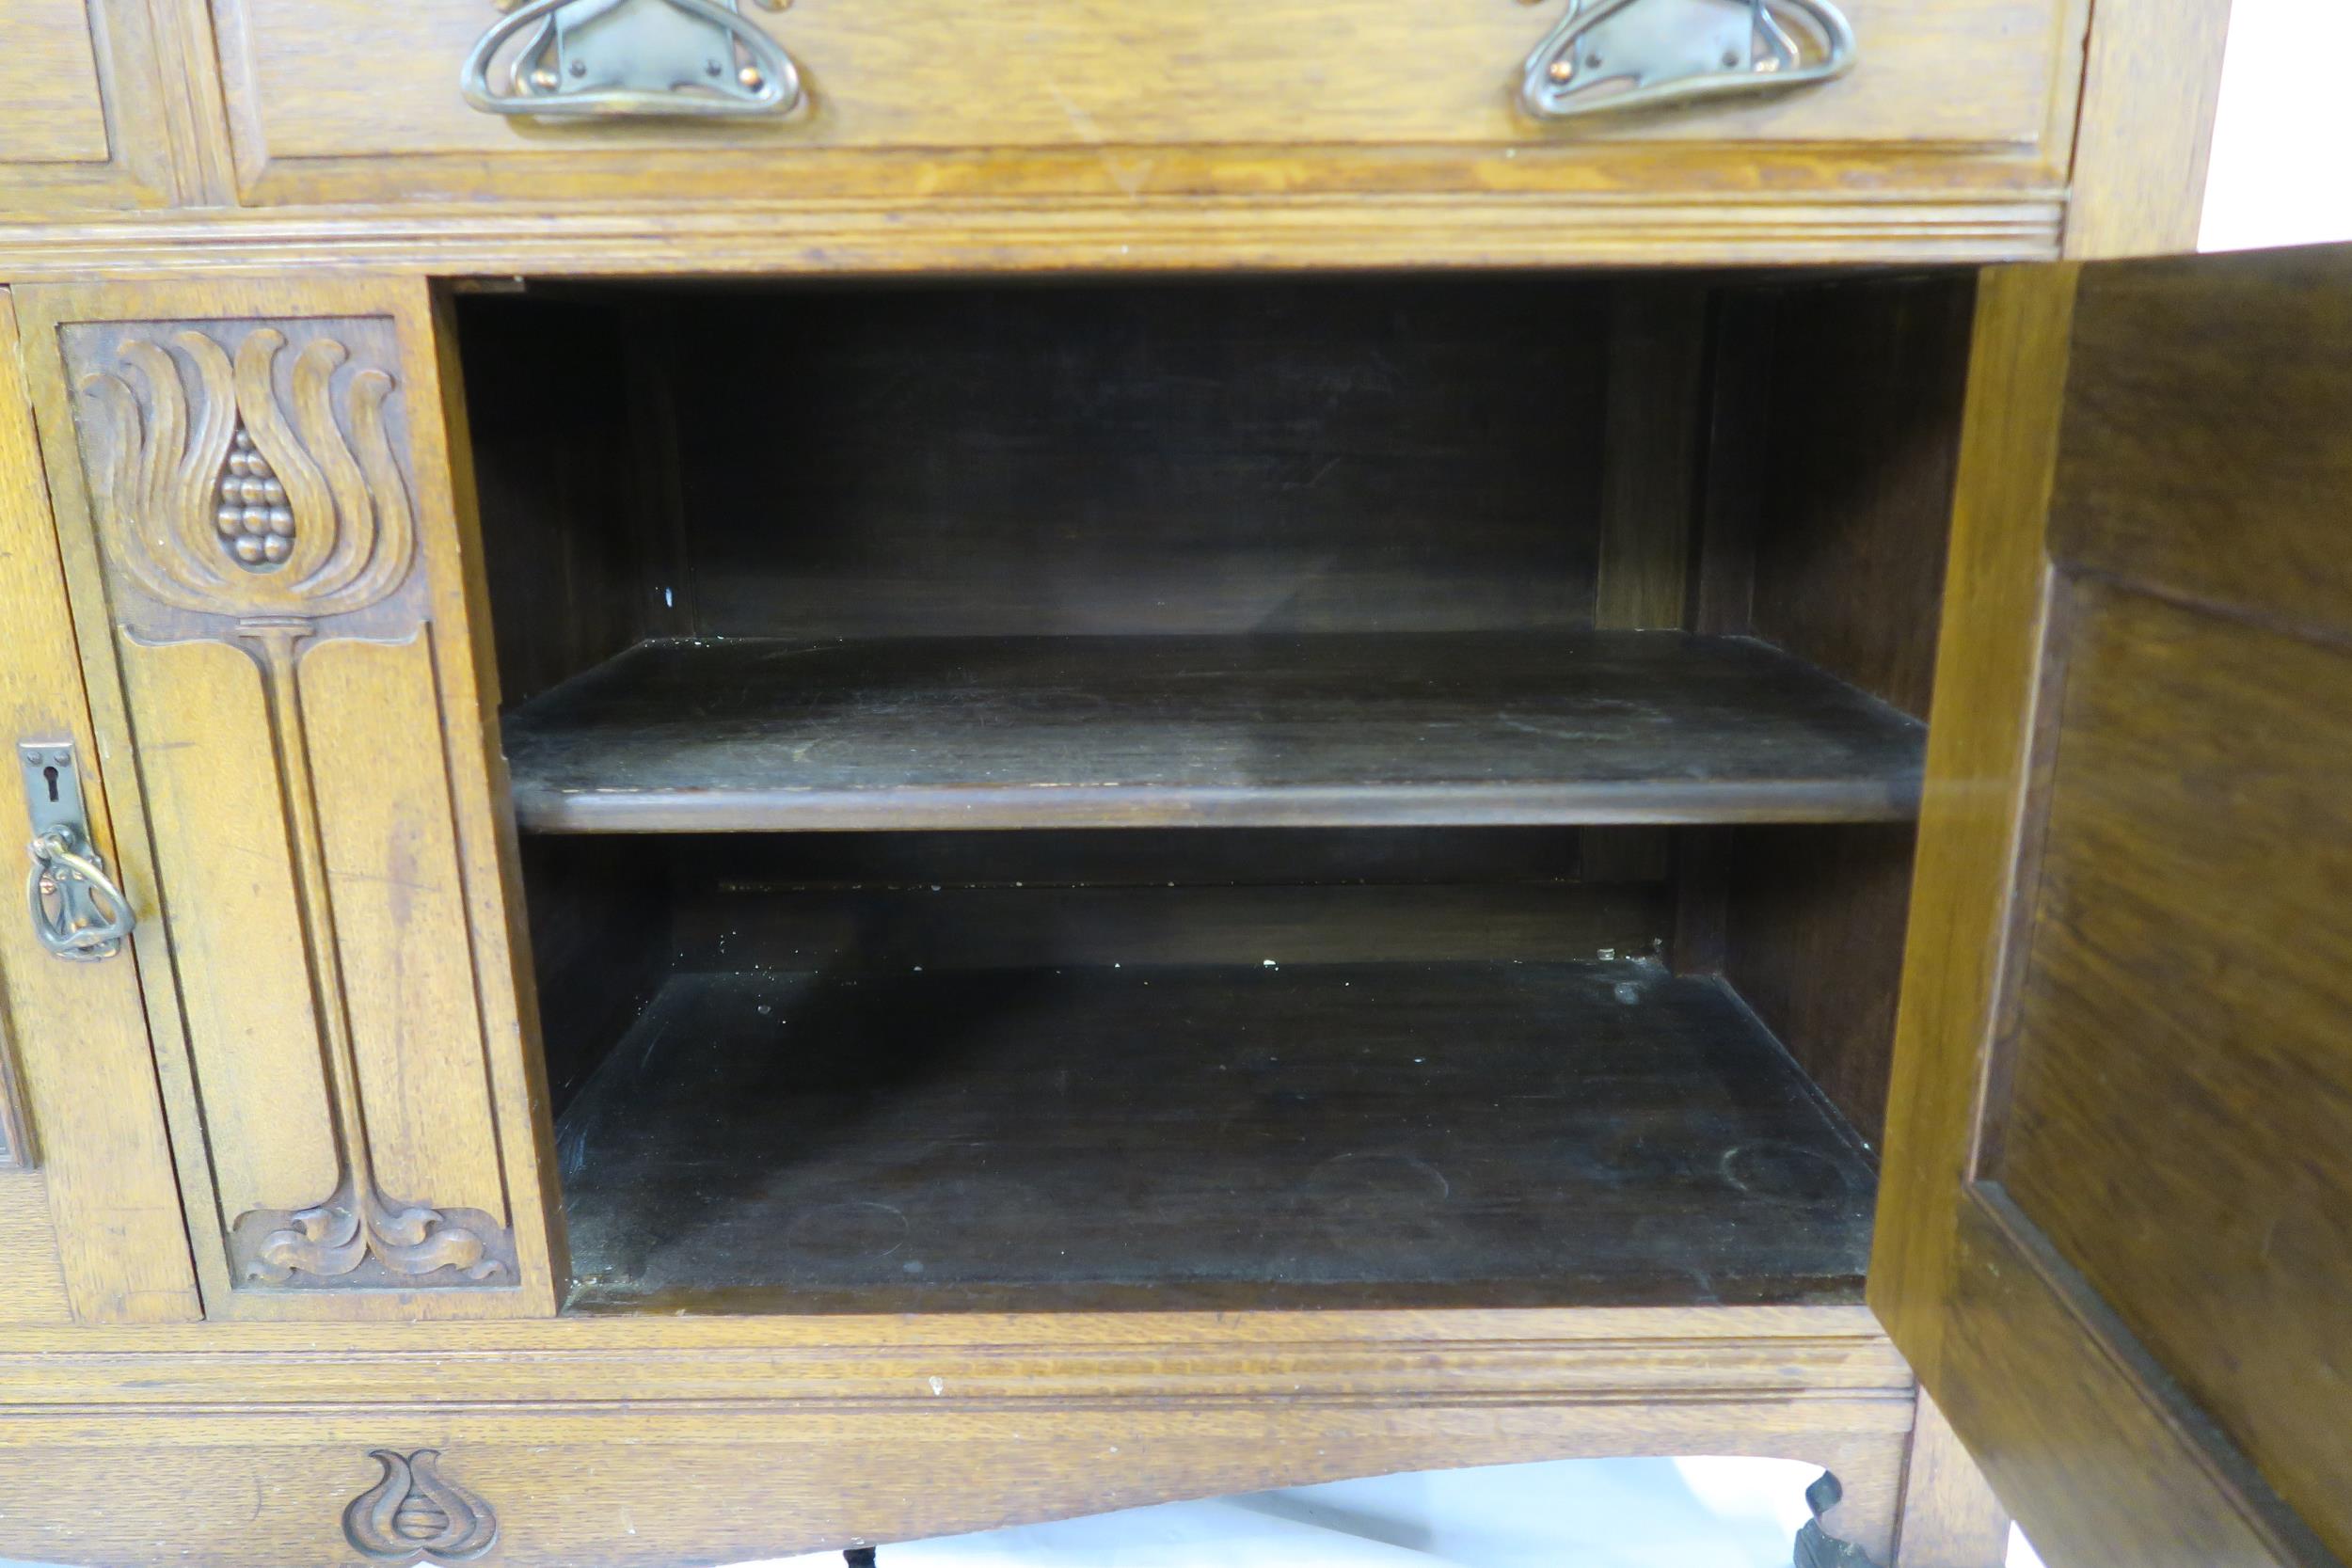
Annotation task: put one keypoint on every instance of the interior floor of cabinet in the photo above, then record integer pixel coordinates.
(1207, 1136)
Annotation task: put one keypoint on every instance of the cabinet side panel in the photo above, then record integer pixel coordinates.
(2150, 87)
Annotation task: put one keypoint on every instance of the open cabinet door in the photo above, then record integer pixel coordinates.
(2115, 1234)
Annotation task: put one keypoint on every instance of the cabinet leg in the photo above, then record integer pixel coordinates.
(1949, 1518)
(1816, 1547)
(858, 1557)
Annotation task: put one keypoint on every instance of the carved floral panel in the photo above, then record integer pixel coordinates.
(256, 514)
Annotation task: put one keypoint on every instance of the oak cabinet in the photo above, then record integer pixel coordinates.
(1019, 895)
(797, 913)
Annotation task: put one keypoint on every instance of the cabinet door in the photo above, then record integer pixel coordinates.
(90, 1218)
(2115, 1233)
(261, 531)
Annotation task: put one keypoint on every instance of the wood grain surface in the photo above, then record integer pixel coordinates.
(1118, 86)
(2117, 1181)
(1330, 730)
(1972, 815)
(1950, 1518)
(2180, 1088)
(1262, 454)
(79, 1030)
(409, 854)
(2150, 83)
(1154, 1135)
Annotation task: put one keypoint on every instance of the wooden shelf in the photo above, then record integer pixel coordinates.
(1314, 1134)
(1330, 730)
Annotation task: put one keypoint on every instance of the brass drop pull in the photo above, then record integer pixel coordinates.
(1609, 55)
(78, 913)
(629, 57)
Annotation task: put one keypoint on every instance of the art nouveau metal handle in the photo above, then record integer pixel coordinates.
(631, 58)
(78, 913)
(77, 910)
(1608, 54)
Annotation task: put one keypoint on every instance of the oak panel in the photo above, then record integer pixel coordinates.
(2218, 385)
(1973, 810)
(1950, 1518)
(79, 1030)
(1118, 81)
(2150, 83)
(2113, 1174)
(2109, 1467)
(2181, 1099)
(226, 887)
(152, 398)
(93, 113)
(32, 1282)
(723, 1483)
(50, 111)
(399, 889)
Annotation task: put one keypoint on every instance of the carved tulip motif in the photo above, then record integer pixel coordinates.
(232, 504)
(414, 1512)
(279, 505)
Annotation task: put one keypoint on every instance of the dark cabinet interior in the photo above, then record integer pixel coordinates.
(1279, 793)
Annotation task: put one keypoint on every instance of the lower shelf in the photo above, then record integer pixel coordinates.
(1214, 1135)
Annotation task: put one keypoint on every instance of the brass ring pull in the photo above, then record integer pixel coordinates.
(1608, 54)
(631, 57)
(78, 913)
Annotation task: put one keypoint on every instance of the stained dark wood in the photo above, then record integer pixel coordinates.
(1253, 455)
(600, 921)
(1331, 730)
(1832, 450)
(568, 426)
(2180, 1121)
(2116, 1173)
(2218, 385)
(894, 930)
(1814, 941)
(1862, 422)
(1162, 1135)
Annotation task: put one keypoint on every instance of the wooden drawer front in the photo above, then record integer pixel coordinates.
(50, 111)
(83, 116)
(936, 96)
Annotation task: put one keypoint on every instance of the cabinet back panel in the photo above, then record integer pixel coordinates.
(1274, 456)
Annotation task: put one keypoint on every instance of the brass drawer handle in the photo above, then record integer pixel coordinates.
(1630, 53)
(631, 57)
(78, 913)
